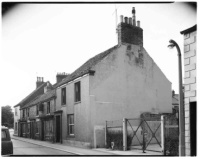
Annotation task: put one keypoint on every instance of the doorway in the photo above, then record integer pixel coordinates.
(58, 130)
(193, 128)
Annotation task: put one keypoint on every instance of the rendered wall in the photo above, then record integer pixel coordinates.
(81, 111)
(16, 118)
(126, 84)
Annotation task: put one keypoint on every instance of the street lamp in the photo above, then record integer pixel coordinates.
(181, 106)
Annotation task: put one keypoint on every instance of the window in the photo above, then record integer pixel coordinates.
(28, 128)
(63, 96)
(23, 113)
(71, 124)
(77, 91)
(48, 107)
(37, 109)
(28, 112)
(16, 126)
(37, 127)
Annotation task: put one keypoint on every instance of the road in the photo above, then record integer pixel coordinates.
(25, 148)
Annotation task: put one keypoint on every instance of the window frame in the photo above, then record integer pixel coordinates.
(63, 96)
(48, 107)
(28, 109)
(69, 124)
(16, 126)
(23, 113)
(77, 92)
(37, 110)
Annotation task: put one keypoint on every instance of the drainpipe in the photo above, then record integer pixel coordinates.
(181, 106)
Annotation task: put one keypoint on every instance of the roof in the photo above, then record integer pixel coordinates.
(86, 67)
(42, 98)
(32, 95)
(189, 30)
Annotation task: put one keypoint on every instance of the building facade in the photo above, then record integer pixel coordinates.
(190, 36)
(122, 81)
(18, 120)
(38, 118)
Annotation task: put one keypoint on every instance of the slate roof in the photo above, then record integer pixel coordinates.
(42, 98)
(32, 95)
(86, 67)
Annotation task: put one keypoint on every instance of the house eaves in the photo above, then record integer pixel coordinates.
(32, 95)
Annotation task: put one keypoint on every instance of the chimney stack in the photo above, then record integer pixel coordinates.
(173, 93)
(128, 32)
(61, 76)
(48, 87)
(39, 82)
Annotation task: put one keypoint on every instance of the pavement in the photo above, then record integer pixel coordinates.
(82, 151)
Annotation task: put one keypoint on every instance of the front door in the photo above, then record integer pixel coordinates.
(58, 131)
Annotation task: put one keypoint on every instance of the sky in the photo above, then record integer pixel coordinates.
(40, 40)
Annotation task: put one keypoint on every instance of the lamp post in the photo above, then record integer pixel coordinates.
(181, 106)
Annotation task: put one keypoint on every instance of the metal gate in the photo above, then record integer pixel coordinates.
(159, 133)
(144, 134)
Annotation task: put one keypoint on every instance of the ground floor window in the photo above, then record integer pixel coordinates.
(37, 127)
(71, 124)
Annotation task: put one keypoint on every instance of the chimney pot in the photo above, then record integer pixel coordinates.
(122, 18)
(126, 20)
(133, 10)
(134, 19)
(138, 23)
(130, 21)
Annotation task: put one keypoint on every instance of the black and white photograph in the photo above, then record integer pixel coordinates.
(98, 78)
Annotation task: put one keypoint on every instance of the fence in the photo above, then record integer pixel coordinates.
(154, 134)
(171, 133)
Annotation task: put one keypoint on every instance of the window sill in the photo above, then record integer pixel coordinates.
(77, 102)
(63, 105)
(70, 136)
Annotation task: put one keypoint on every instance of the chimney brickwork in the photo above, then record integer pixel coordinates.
(61, 76)
(128, 32)
(39, 82)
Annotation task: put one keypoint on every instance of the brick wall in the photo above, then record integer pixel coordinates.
(130, 34)
(189, 81)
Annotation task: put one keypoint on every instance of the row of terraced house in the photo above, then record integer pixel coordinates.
(122, 81)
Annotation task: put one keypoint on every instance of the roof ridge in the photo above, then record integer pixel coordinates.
(39, 98)
(30, 94)
(85, 67)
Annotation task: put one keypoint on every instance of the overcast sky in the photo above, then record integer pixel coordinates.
(43, 39)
